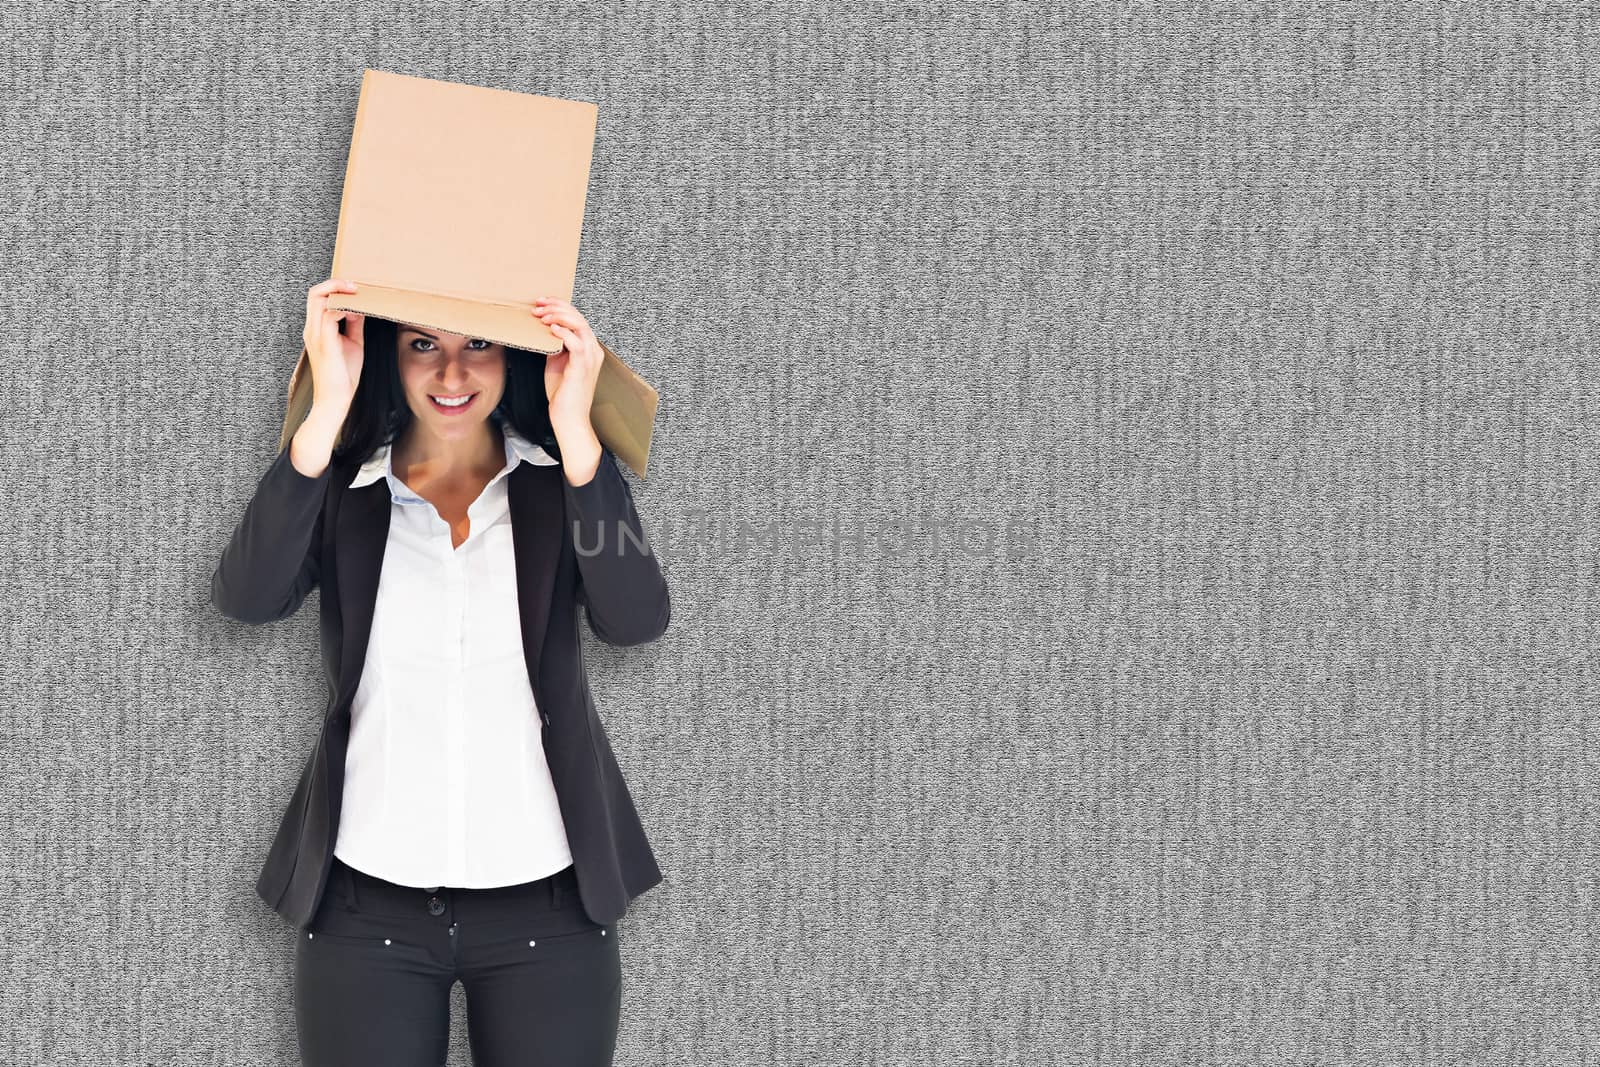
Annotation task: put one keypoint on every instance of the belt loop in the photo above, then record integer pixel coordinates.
(350, 887)
(555, 888)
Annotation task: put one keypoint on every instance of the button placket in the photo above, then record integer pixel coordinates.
(456, 746)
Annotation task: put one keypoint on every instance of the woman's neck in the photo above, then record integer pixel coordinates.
(424, 457)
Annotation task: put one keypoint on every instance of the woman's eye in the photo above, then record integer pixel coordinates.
(476, 344)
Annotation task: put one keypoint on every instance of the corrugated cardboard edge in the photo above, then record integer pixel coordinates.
(618, 388)
(367, 77)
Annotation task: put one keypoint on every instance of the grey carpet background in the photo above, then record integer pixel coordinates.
(1126, 476)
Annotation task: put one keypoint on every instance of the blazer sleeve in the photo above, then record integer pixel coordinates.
(273, 559)
(620, 585)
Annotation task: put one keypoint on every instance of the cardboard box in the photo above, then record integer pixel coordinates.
(461, 205)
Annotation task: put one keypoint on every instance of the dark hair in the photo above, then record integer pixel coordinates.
(379, 414)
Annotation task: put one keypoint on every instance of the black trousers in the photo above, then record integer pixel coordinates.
(374, 971)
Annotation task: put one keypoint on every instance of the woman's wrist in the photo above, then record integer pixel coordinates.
(580, 449)
(311, 448)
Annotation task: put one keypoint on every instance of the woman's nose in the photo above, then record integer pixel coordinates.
(454, 372)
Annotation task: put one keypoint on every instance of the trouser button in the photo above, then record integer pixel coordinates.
(435, 906)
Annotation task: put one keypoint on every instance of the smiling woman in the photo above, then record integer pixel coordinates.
(414, 368)
(462, 801)
(426, 360)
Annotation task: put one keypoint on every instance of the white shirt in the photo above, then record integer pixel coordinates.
(446, 782)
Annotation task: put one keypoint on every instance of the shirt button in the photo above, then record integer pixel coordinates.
(435, 906)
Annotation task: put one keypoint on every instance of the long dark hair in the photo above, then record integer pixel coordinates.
(379, 414)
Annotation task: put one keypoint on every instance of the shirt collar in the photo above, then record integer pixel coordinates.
(518, 448)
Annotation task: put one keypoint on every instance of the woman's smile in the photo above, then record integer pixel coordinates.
(451, 404)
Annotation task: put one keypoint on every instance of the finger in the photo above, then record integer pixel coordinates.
(559, 312)
(575, 344)
(571, 320)
(567, 336)
(330, 329)
(331, 285)
(317, 298)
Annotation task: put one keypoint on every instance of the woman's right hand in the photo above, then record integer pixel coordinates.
(336, 358)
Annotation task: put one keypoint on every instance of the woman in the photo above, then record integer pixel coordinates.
(462, 815)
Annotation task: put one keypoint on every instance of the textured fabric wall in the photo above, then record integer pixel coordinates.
(1126, 475)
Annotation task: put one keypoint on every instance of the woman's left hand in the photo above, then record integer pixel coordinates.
(569, 379)
(570, 374)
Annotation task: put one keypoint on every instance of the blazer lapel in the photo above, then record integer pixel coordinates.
(361, 536)
(538, 510)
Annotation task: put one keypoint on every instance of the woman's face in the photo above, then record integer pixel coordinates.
(438, 365)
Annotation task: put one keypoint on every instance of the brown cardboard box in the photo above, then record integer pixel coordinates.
(461, 205)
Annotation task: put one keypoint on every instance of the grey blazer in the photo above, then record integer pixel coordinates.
(299, 532)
